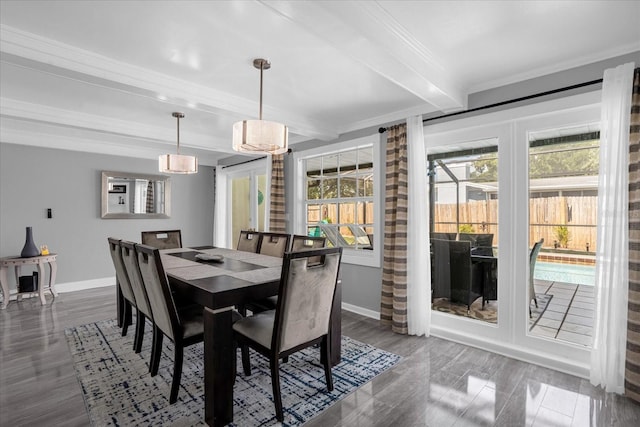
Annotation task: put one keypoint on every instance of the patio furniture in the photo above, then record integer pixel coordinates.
(533, 257)
(452, 272)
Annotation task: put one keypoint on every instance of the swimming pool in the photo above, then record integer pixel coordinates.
(567, 273)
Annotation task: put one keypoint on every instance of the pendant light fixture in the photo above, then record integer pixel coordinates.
(178, 163)
(260, 136)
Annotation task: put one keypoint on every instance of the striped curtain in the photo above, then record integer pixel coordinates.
(150, 202)
(632, 366)
(393, 306)
(277, 222)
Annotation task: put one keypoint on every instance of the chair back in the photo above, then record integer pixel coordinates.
(121, 273)
(303, 243)
(130, 260)
(274, 244)
(442, 236)
(305, 297)
(477, 240)
(248, 241)
(164, 239)
(165, 315)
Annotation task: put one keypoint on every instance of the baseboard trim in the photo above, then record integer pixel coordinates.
(360, 310)
(86, 284)
(509, 350)
(524, 354)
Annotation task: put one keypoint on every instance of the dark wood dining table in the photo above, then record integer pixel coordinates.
(220, 286)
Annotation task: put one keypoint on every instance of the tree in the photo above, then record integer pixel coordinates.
(569, 159)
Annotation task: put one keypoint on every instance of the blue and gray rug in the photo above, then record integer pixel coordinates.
(119, 391)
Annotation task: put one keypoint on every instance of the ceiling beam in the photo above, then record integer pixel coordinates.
(365, 31)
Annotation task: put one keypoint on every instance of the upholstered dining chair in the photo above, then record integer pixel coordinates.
(184, 328)
(143, 309)
(301, 319)
(298, 243)
(163, 239)
(533, 257)
(248, 241)
(274, 244)
(301, 243)
(122, 281)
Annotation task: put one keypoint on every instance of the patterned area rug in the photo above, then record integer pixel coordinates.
(490, 312)
(119, 391)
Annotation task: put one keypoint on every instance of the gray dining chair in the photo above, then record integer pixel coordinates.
(298, 243)
(162, 239)
(122, 281)
(248, 241)
(183, 328)
(301, 319)
(143, 308)
(274, 244)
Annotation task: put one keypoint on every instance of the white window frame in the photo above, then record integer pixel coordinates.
(512, 128)
(369, 258)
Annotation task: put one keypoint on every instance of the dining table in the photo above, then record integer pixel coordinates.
(220, 279)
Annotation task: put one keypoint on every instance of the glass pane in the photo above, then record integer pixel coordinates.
(313, 189)
(563, 203)
(313, 214)
(330, 165)
(365, 213)
(365, 185)
(365, 159)
(347, 235)
(347, 213)
(314, 167)
(330, 188)
(348, 161)
(330, 213)
(464, 230)
(348, 186)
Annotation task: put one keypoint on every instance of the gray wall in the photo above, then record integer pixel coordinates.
(33, 179)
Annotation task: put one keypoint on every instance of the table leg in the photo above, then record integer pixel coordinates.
(53, 269)
(5, 288)
(17, 270)
(219, 352)
(43, 300)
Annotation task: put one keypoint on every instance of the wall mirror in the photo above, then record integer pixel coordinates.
(131, 195)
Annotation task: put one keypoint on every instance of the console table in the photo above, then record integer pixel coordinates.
(17, 263)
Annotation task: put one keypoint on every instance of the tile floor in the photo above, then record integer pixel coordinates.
(569, 315)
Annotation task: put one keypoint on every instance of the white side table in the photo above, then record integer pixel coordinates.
(17, 263)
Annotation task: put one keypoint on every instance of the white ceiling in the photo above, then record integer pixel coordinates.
(104, 76)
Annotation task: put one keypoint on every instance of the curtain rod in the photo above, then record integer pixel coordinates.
(250, 160)
(510, 101)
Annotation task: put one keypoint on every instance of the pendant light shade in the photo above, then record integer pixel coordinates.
(260, 136)
(178, 163)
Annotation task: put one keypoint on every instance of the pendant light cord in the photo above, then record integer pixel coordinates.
(178, 119)
(261, 68)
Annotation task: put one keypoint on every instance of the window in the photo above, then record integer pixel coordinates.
(338, 187)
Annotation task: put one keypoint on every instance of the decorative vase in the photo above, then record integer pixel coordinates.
(30, 249)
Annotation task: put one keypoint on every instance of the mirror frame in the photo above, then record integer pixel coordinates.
(126, 175)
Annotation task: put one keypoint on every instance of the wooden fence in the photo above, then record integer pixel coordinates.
(546, 216)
